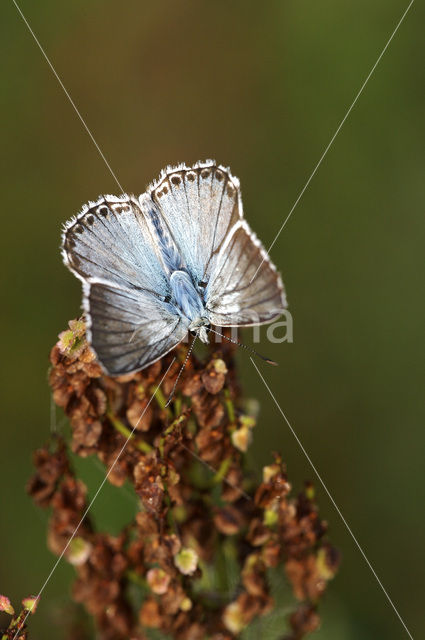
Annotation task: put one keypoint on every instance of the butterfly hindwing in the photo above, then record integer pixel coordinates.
(238, 294)
(128, 328)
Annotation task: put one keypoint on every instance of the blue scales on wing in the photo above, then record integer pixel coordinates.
(199, 205)
(202, 208)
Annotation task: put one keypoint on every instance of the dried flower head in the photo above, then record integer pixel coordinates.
(202, 517)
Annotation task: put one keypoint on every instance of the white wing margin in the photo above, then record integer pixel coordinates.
(234, 297)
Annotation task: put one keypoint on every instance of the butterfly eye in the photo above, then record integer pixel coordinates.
(202, 284)
(167, 299)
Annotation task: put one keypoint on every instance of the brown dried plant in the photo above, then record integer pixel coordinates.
(209, 543)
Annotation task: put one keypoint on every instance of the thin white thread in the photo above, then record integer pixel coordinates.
(334, 136)
(68, 96)
(94, 498)
(332, 500)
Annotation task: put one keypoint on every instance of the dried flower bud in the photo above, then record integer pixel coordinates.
(253, 576)
(6, 606)
(327, 562)
(78, 551)
(150, 615)
(270, 471)
(271, 553)
(228, 520)
(147, 523)
(239, 613)
(30, 603)
(304, 620)
(139, 415)
(271, 517)
(258, 533)
(214, 376)
(242, 438)
(186, 561)
(71, 341)
(220, 366)
(233, 618)
(158, 581)
(186, 604)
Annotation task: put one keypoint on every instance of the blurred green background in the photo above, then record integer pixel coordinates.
(261, 87)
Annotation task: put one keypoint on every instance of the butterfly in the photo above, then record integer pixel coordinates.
(179, 258)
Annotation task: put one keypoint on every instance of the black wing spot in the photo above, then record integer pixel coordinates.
(103, 210)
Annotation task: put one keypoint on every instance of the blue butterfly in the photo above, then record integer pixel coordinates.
(179, 258)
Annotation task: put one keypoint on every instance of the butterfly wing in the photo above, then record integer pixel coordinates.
(236, 294)
(112, 239)
(200, 205)
(111, 247)
(129, 329)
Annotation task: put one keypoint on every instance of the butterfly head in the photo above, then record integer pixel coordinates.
(201, 328)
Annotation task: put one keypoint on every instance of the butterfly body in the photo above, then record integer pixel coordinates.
(179, 258)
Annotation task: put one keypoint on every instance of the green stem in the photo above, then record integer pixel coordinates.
(222, 470)
(177, 406)
(229, 406)
(161, 400)
(144, 447)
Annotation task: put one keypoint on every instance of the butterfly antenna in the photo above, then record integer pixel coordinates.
(170, 397)
(240, 344)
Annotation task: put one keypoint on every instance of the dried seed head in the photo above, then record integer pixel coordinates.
(185, 462)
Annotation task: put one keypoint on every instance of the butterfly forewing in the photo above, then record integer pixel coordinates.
(199, 204)
(234, 296)
(112, 239)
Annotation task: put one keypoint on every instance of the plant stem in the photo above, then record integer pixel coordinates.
(143, 446)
